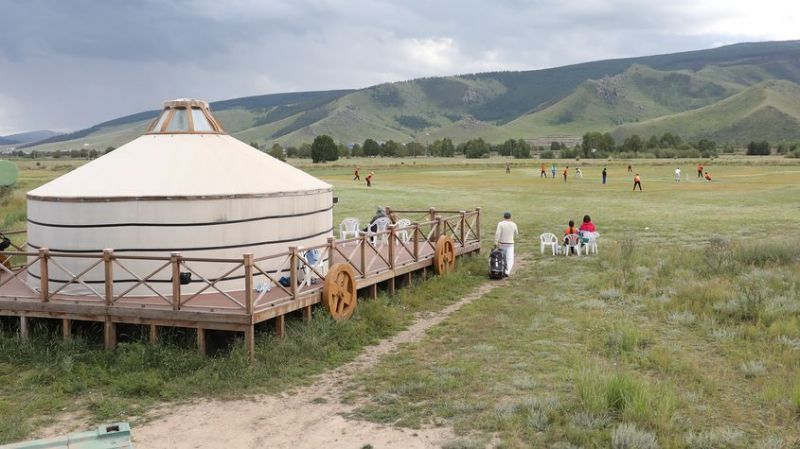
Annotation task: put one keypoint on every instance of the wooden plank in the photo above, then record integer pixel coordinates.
(373, 291)
(286, 307)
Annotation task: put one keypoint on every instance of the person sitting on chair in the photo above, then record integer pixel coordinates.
(586, 227)
(571, 229)
(372, 226)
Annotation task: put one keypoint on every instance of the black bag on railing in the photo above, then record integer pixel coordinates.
(5, 242)
(184, 278)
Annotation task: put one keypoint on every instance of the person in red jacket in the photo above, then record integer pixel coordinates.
(708, 177)
(369, 178)
(637, 181)
(586, 227)
(566, 172)
(699, 170)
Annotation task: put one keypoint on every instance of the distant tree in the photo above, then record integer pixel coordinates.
(415, 149)
(323, 149)
(522, 150)
(556, 146)
(633, 144)
(652, 143)
(758, 148)
(669, 140)
(591, 140)
(547, 154)
(476, 148)
(371, 148)
(507, 148)
(109, 149)
(401, 151)
(356, 151)
(255, 145)
(291, 152)
(707, 147)
(608, 143)
(390, 148)
(277, 152)
(92, 154)
(448, 149)
(342, 151)
(304, 151)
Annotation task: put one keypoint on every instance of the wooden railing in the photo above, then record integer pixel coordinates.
(258, 279)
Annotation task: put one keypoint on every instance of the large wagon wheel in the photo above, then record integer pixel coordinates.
(339, 291)
(444, 259)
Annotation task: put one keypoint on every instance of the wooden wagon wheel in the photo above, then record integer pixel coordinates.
(339, 291)
(444, 260)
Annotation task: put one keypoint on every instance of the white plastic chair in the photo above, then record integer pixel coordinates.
(402, 233)
(572, 241)
(591, 243)
(349, 226)
(381, 224)
(549, 239)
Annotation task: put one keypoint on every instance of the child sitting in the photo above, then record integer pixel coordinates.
(571, 229)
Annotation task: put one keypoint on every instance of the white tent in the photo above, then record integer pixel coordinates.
(185, 186)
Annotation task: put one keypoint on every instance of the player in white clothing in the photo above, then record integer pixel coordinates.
(504, 239)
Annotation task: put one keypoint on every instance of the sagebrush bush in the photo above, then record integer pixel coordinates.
(627, 436)
(725, 438)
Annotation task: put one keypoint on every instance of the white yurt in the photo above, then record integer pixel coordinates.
(184, 186)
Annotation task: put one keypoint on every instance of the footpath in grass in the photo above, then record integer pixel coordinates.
(632, 349)
(45, 377)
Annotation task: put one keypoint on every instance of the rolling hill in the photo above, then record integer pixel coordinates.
(620, 94)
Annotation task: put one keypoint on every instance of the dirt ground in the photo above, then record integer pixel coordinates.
(310, 417)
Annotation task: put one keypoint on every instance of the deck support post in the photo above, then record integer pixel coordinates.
(108, 279)
(373, 291)
(424, 273)
(44, 277)
(432, 217)
(153, 334)
(66, 328)
(392, 242)
(250, 341)
(201, 341)
(438, 228)
(307, 314)
(280, 326)
(175, 261)
(110, 333)
(23, 328)
(478, 225)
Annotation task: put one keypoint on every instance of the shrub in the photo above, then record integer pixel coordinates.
(715, 439)
(621, 396)
(752, 369)
(624, 339)
(627, 436)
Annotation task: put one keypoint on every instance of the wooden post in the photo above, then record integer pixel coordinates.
(478, 225)
(388, 211)
(416, 241)
(44, 279)
(463, 231)
(250, 341)
(373, 291)
(392, 243)
(293, 271)
(23, 327)
(331, 251)
(280, 326)
(307, 314)
(432, 217)
(248, 282)
(175, 261)
(364, 244)
(108, 280)
(110, 333)
(201, 341)
(438, 228)
(66, 328)
(153, 334)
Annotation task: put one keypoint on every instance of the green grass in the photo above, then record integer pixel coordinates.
(693, 282)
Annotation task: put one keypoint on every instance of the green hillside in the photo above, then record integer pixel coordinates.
(765, 111)
(565, 101)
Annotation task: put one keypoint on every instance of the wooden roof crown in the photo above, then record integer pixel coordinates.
(185, 116)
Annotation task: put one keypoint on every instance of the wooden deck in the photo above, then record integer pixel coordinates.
(383, 257)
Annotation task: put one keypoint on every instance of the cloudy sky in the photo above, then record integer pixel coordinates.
(66, 65)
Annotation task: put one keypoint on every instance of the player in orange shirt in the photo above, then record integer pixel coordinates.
(708, 177)
(543, 173)
(699, 170)
(356, 177)
(566, 172)
(637, 181)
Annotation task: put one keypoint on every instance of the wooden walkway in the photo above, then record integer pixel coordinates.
(381, 257)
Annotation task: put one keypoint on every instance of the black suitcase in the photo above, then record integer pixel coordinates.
(497, 263)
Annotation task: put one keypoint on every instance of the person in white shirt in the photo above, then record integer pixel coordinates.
(677, 175)
(504, 239)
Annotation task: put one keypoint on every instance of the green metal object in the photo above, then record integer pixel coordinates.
(109, 436)
(9, 173)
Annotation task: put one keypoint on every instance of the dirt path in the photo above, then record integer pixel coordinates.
(310, 417)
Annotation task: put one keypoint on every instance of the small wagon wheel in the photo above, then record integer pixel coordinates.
(444, 259)
(339, 291)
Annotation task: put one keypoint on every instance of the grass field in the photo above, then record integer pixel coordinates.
(683, 332)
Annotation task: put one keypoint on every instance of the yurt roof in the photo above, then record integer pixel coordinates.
(183, 164)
